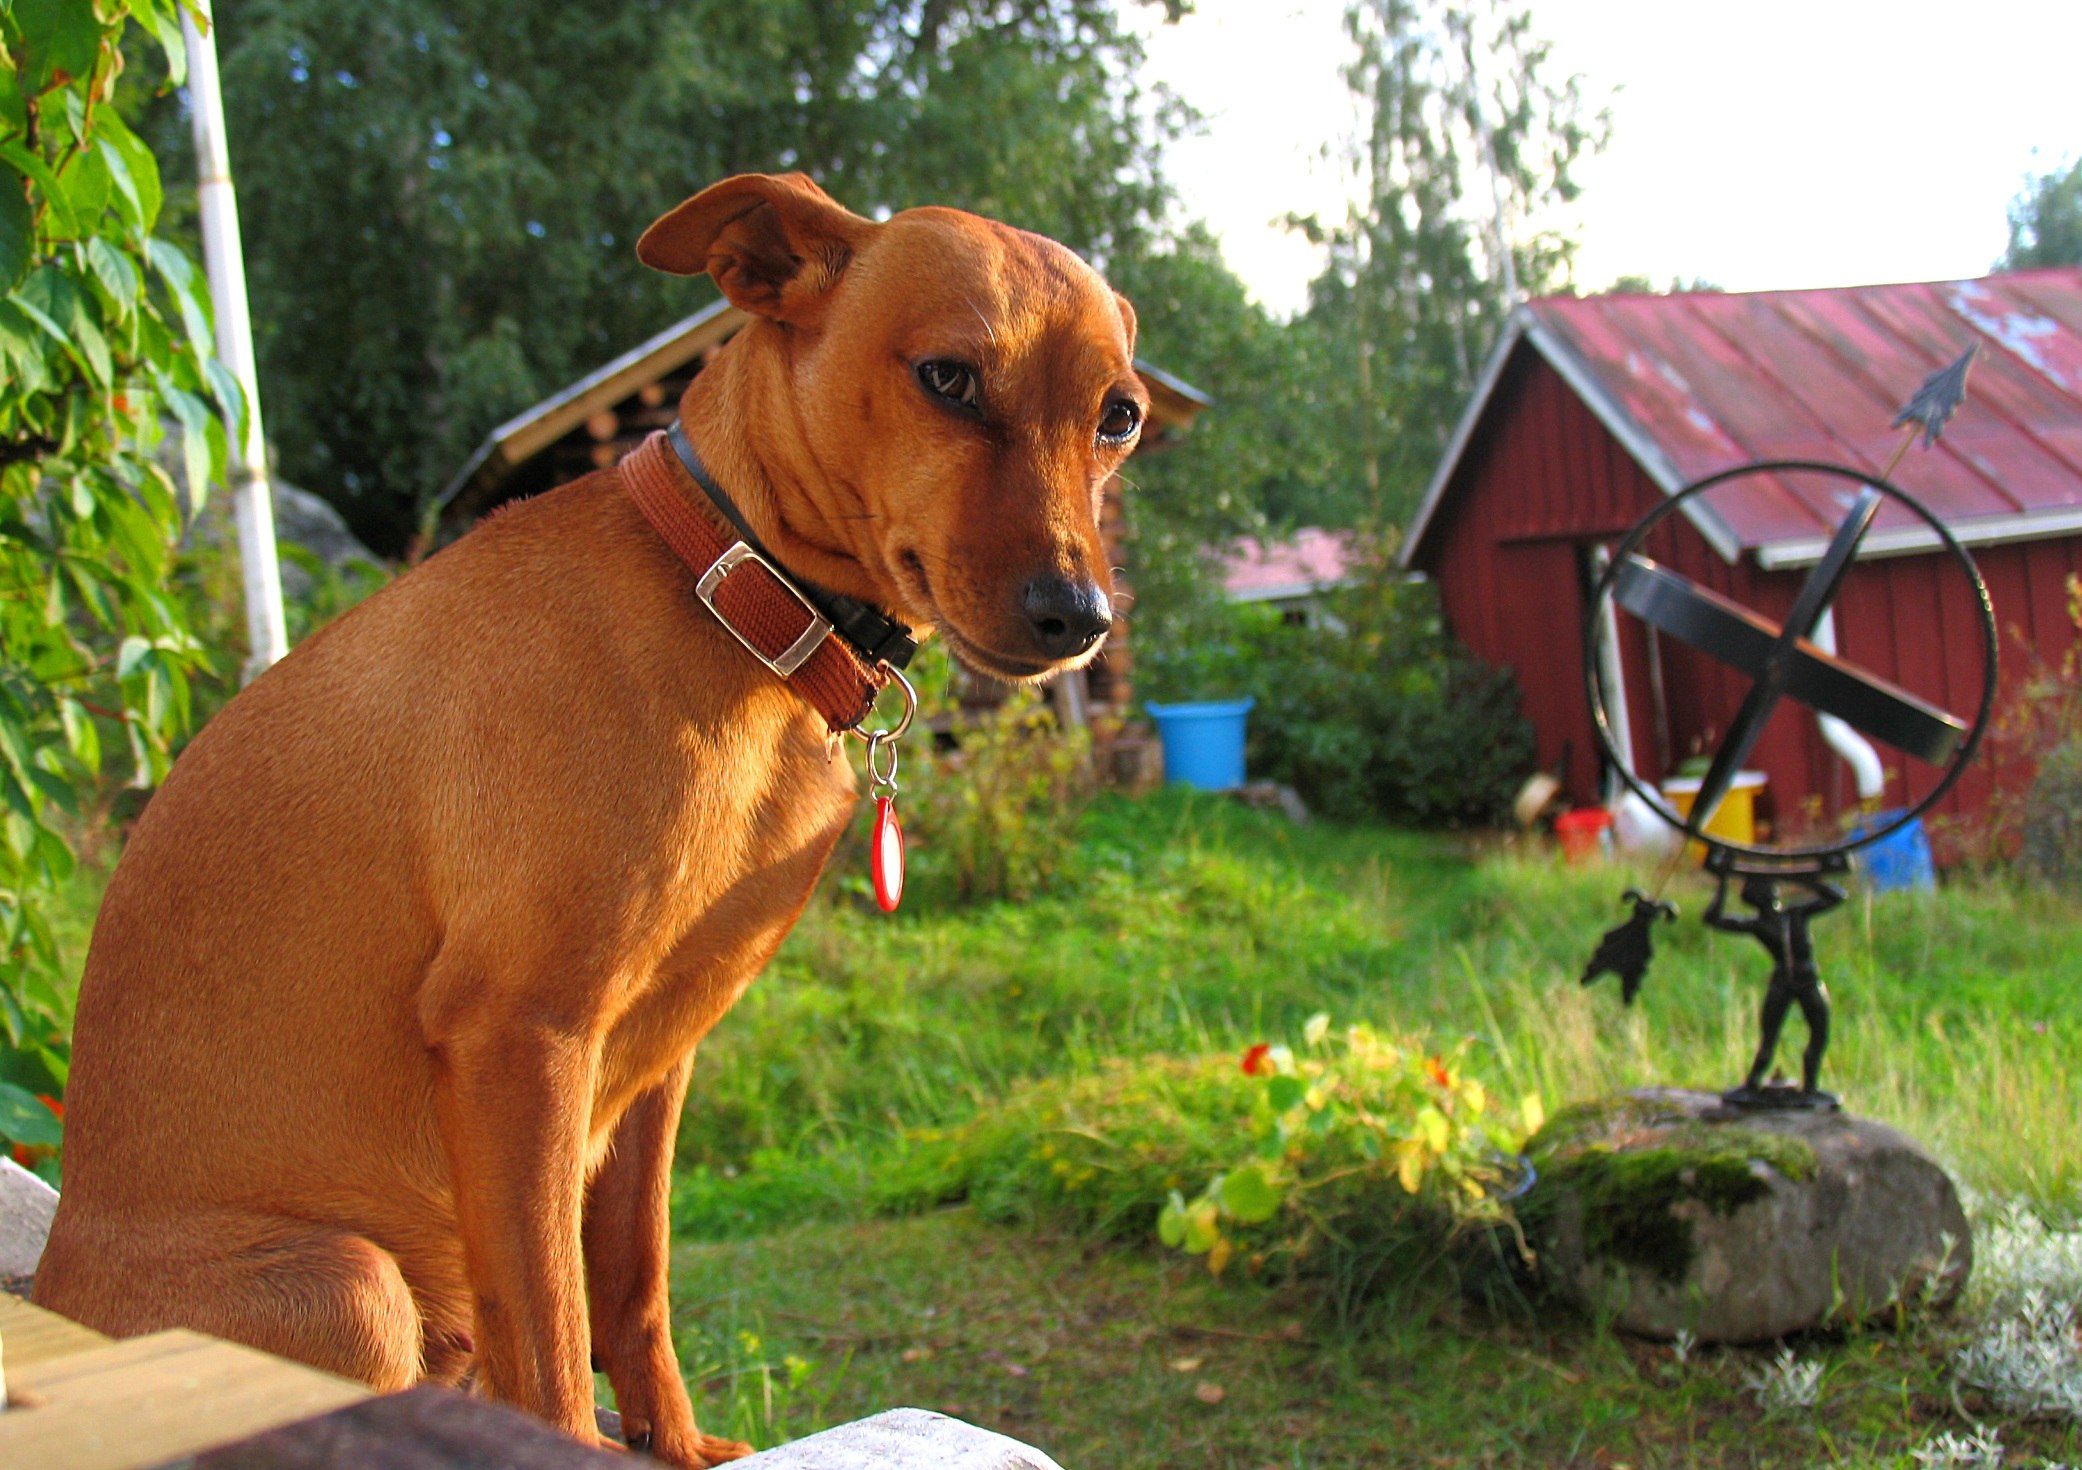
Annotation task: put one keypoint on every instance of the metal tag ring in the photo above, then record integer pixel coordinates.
(881, 744)
(881, 779)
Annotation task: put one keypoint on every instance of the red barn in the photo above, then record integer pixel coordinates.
(1591, 411)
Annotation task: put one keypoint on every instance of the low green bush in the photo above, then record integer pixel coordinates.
(996, 816)
(1363, 1164)
(1370, 712)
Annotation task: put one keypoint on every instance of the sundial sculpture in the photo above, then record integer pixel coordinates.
(1784, 886)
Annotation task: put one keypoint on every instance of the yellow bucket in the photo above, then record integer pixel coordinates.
(1736, 820)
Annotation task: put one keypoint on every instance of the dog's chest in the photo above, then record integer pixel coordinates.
(731, 875)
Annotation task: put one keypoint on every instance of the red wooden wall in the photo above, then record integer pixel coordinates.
(1542, 481)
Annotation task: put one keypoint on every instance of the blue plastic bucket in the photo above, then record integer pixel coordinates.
(1203, 743)
(1899, 860)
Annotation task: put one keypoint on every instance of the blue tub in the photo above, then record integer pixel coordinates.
(1203, 743)
(1897, 861)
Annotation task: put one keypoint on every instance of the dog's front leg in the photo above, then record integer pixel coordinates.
(628, 1258)
(513, 1094)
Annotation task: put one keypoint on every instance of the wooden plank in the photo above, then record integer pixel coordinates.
(33, 1335)
(424, 1428)
(145, 1401)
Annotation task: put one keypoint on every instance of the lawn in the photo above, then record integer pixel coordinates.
(838, 1255)
(817, 1281)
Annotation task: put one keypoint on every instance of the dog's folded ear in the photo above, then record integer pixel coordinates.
(776, 243)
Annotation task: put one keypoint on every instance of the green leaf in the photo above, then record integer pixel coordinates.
(131, 656)
(28, 164)
(22, 347)
(14, 114)
(1249, 1196)
(1203, 1227)
(1433, 1128)
(56, 790)
(87, 186)
(1285, 1093)
(81, 738)
(93, 346)
(17, 235)
(117, 273)
(158, 697)
(164, 24)
(54, 857)
(59, 37)
(46, 298)
(1171, 1221)
(24, 1119)
(18, 1027)
(131, 165)
(196, 420)
(188, 289)
(231, 398)
(17, 797)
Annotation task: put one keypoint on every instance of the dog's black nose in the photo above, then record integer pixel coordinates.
(1067, 617)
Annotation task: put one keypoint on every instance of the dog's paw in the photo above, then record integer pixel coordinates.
(702, 1450)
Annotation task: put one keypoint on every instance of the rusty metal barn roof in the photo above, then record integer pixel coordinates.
(1698, 382)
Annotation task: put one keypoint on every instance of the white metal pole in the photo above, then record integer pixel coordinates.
(267, 632)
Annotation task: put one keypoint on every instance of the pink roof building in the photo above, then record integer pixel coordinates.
(1311, 561)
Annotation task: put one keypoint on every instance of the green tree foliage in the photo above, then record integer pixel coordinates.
(1471, 141)
(1258, 457)
(440, 202)
(2046, 222)
(104, 335)
(1634, 284)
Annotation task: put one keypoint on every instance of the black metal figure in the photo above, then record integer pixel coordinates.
(1782, 929)
(1626, 950)
(1782, 662)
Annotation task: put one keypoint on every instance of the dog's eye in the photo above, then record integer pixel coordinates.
(1120, 421)
(953, 381)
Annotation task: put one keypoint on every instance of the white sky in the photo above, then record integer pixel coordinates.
(1778, 143)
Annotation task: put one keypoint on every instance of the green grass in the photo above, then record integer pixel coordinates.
(1191, 926)
(1099, 1356)
(814, 1282)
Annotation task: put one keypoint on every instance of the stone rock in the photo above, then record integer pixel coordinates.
(1676, 1213)
(310, 521)
(301, 519)
(899, 1440)
(1274, 795)
(26, 1207)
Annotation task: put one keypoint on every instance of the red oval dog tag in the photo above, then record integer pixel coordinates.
(887, 862)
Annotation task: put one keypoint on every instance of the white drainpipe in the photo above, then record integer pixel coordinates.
(1612, 674)
(1856, 750)
(267, 632)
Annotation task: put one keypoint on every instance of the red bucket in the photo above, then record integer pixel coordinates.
(1583, 833)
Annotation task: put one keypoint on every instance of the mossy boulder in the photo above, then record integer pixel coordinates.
(1675, 1213)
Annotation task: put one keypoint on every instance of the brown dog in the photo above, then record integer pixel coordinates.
(394, 997)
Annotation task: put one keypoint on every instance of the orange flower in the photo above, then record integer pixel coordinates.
(1257, 1061)
(1436, 1069)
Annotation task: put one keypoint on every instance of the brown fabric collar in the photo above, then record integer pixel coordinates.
(750, 596)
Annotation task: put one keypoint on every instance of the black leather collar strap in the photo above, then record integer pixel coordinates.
(873, 634)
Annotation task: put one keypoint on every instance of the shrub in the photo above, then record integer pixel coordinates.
(104, 334)
(996, 816)
(2034, 754)
(1363, 1149)
(1364, 1164)
(1374, 711)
